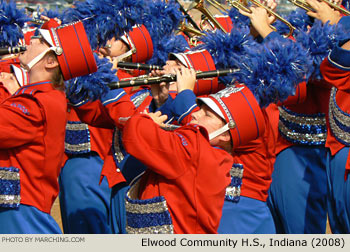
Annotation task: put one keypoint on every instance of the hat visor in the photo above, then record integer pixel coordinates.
(211, 104)
(180, 57)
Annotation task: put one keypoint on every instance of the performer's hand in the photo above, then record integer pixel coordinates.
(160, 92)
(185, 79)
(260, 20)
(158, 118)
(323, 12)
(9, 81)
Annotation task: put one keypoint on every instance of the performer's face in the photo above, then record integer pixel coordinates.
(114, 48)
(207, 118)
(36, 46)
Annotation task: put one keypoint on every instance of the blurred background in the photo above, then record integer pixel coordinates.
(284, 6)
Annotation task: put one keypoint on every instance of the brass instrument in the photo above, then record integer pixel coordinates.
(199, 5)
(184, 27)
(238, 5)
(218, 6)
(337, 7)
(191, 33)
(187, 16)
(191, 29)
(302, 4)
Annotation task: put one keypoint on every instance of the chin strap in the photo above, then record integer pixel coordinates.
(219, 131)
(57, 50)
(123, 56)
(126, 39)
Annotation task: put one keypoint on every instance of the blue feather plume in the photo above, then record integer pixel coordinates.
(274, 70)
(168, 44)
(161, 20)
(238, 19)
(318, 42)
(12, 21)
(53, 13)
(298, 18)
(91, 86)
(227, 49)
(106, 19)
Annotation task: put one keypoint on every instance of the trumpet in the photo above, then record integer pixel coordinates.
(187, 29)
(337, 7)
(190, 30)
(187, 16)
(218, 6)
(138, 66)
(146, 80)
(199, 5)
(302, 4)
(237, 4)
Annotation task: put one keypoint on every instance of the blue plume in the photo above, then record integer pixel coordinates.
(161, 20)
(106, 19)
(169, 44)
(318, 42)
(12, 21)
(298, 18)
(227, 49)
(273, 71)
(91, 86)
(238, 19)
(52, 13)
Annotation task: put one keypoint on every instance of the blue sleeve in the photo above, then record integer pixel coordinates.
(344, 22)
(165, 108)
(340, 57)
(183, 105)
(112, 95)
(273, 36)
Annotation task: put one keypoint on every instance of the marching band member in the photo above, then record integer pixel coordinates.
(35, 119)
(298, 196)
(335, 69)
(197, 172)
(139, 44)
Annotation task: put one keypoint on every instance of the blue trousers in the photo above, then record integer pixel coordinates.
(298, 192)
(118, 213)
(84, 203)
(27, 220)
(338, 193)
(131, 168)
(248, 216)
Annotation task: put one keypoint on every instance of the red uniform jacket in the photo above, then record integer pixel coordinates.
(99, 139)
(183, 167)
(257, 158)
(32, 128)
(314, 102)
(340, 79)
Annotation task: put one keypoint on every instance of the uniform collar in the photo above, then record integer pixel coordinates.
(41, 85)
